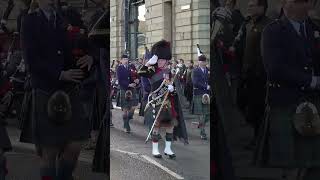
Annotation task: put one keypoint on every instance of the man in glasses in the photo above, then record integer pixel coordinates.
(290, 55)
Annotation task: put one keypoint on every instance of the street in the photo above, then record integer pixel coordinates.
(131, 158)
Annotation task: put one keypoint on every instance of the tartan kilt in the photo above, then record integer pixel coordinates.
(5, 143)
(285, 148)
(150, 117)
(198, 108)
(45, 133)
(128, 103)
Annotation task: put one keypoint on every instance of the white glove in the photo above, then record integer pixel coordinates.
(170, 88)
(208, 87)
(153, 60)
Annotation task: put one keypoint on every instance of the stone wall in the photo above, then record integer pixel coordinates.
(185, 23)
(182, 22)
(117, 37)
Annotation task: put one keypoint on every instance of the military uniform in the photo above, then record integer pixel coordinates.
(126, 75)
(170, 116)
(200, 81)
(48, 53)
(290, 53)
(253, 76)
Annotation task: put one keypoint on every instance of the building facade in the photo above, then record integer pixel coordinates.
(185, 23)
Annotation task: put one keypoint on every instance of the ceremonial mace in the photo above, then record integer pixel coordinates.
(161, 107)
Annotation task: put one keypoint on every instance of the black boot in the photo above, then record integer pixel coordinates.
(203, 135)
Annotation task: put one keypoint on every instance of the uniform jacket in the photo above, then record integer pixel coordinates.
(123, 75)
(289, 62)
(200, 81)
(45, 50)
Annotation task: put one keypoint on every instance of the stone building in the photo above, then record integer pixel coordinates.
(184, 23)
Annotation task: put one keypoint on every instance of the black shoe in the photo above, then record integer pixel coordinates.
(158, 156)
(172, 156)
(203, 137)
(128, 131)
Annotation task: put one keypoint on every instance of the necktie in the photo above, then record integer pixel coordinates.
(52, 19)
(302, 31)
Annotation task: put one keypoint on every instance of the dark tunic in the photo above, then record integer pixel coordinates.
(125, 78)
(290, 63)
(200, 83)
(47, 52)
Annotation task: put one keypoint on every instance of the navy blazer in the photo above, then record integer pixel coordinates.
(46, 51)
(200, 81)
(289, 61)
(123, 76)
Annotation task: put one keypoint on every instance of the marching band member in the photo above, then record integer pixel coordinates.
(200, 103)
(128, 95)
(163, 108)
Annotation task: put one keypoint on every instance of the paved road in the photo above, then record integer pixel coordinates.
(131, 157)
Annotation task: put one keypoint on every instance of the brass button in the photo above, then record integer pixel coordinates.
(59, 52)
(305, 68)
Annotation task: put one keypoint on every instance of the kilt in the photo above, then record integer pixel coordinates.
(150, 117)
(128, 104)
(25, 122)
(5, 143)
(283, 147)
(198, 108)
(45, 133)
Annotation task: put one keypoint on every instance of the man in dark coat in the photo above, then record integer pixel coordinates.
(253, 76)
(52, 68)
(128, 95)
(290, 50)
(201, 87)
